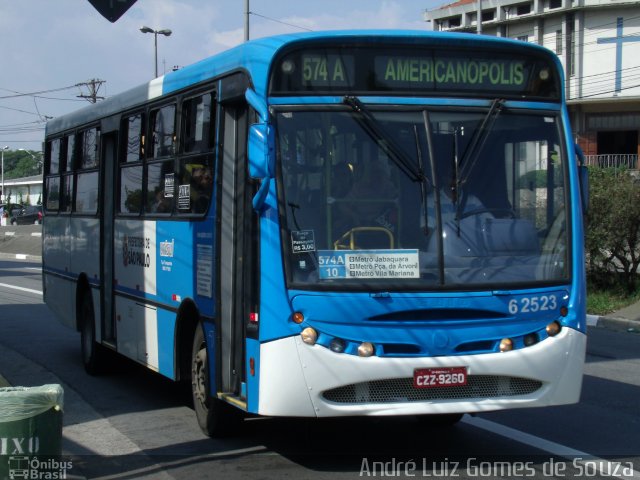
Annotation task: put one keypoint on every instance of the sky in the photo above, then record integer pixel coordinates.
(49, 47)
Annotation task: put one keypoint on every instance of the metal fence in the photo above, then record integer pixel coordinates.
(613, 161)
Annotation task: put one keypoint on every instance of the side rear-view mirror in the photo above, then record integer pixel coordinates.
(260, 151)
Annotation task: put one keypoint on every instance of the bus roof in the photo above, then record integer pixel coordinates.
(256, 57)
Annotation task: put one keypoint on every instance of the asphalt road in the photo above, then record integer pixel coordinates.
(21, 241)
(132, 423)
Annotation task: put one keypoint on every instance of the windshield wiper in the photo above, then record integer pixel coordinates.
(372, 128)
(424, 183)
(472, 152)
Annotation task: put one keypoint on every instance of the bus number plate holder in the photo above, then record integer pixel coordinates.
(439, 377)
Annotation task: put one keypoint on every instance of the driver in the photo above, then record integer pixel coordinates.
(454, 198)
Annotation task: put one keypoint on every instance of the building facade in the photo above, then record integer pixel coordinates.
(26, 190)
(598, 43)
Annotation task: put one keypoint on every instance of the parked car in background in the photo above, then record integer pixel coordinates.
(27, 215)
(10, 207)
(8, 211)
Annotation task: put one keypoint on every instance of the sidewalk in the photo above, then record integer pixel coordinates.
(626, 319)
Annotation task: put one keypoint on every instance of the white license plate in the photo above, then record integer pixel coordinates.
(439, 377)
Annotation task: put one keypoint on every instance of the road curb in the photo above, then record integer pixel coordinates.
(620, 324)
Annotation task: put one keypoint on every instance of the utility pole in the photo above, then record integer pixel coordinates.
(93, 85)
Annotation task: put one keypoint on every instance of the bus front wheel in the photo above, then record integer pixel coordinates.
(215, 417)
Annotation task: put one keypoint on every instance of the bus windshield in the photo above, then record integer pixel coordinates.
(415, 199)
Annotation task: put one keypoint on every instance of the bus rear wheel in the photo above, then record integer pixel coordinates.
(215, 417)
(92, 352)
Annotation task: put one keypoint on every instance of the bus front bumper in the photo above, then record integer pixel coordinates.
(297, 379)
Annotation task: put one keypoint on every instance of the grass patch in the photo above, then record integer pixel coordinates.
(602, 301)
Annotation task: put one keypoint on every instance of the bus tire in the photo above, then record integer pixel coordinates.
(215, 417)
(92, 352)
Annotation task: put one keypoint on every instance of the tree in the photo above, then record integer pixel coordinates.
(18, 164)
(613, 228)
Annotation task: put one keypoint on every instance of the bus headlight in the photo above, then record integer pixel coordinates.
(553, 329)
(337, 345)
(530, 339)
(506, 345)
(365, 349)
(309, 336)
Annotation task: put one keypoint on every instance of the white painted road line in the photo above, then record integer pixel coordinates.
(604, 467)
(22, 289)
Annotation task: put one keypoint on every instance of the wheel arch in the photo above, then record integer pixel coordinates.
(82, 287)
(187, 320)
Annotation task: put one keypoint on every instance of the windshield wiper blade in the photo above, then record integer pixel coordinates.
(472, 152)
(424, 183)
(371, 126)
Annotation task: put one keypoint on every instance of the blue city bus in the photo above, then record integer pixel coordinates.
(329, 224)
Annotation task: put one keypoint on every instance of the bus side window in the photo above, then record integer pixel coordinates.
(160, 187)
(197, 119)
(196, 186)
(52, 170)
(89, 148)
(163, 131)
(130, 171)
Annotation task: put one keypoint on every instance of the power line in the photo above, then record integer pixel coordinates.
(17, 94)
(280, 21)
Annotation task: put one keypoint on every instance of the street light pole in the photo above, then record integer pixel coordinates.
(166, 32)
(3, 149)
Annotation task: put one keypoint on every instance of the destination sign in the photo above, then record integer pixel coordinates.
(467, 73)
(407, 69)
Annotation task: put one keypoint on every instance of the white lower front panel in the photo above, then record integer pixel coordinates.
(301, 380)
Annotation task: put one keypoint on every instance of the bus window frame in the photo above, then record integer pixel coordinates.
(79, 169)
(123, 162)
(178, 157)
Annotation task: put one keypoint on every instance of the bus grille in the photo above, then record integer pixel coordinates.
(400, 390)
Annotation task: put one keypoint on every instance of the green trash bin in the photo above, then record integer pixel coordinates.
(30, 430)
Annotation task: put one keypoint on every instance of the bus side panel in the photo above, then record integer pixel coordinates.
(253, 374)
(60, 298)
(137, 335)
(146, 334)
(155, 269)
(134, 259)
(86, 258)
(166, 339)
(59, 283)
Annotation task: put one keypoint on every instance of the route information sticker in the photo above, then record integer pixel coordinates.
(368, 264)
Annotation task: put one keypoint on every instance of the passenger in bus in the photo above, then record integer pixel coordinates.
(201, 188)
(455, 199)
(162, 204)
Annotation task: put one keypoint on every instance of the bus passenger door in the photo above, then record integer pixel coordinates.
(237, 249)
(107, 196)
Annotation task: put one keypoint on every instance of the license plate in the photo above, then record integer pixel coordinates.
(439, 377)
